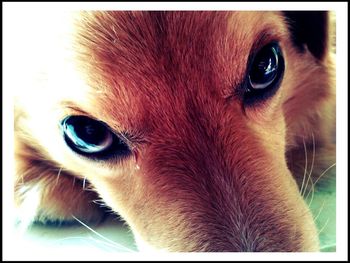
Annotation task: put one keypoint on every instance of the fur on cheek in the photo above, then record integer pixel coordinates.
(46, 192)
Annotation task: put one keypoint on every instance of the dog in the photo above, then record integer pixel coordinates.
(193, 127)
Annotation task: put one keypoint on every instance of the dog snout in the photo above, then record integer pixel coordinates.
(219, 205)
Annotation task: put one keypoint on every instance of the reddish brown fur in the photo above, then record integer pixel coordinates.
(212, 174)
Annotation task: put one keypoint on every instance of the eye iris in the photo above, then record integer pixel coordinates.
(265, 68)
(86, 135)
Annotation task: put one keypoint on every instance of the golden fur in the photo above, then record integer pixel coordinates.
(206, 173)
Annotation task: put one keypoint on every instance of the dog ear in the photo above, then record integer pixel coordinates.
(309, 29)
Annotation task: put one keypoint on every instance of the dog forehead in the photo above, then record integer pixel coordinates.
(138, 57)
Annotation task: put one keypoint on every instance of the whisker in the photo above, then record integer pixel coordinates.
(104, 238)
(118, 246)
(73, 182)
(312, 189)
(305, 151)
(86, 239)
(69, 238)
(321, 175)
(324, 226)
(84, 182)
(332, 245)
(22, 178)
(58, 175)
(312, 166)
(319, 211)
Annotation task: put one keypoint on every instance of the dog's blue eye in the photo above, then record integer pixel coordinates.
(91, 138)
(265, 74)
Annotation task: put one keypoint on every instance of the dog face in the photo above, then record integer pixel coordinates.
(180, 121)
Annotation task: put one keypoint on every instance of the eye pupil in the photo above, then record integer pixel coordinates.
(264, 69)
(92, 133)
(89, 129)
